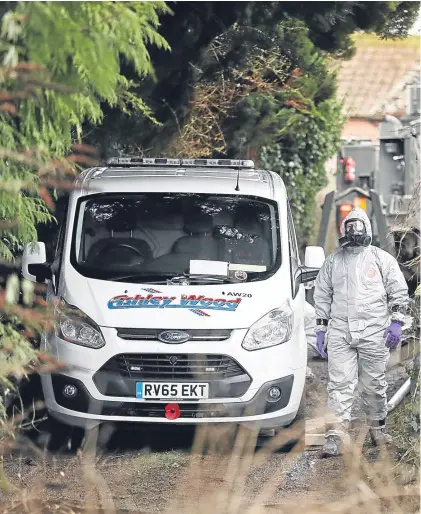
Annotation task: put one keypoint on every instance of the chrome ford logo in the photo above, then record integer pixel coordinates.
(173, 336)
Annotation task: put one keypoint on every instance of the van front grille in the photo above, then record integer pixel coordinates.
(174, 366)
(151, 334)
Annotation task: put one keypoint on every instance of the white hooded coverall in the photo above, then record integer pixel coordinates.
(359, 290)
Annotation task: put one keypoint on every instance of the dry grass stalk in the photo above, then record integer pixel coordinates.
(220, 466)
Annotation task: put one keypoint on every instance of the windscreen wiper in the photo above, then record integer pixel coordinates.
(157, 278)
(171, 279)
(187, 278)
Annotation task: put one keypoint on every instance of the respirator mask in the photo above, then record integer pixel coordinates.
(355, 234)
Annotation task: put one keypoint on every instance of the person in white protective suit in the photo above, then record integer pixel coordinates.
(360, 299)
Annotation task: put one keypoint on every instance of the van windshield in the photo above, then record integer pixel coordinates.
(152, 236)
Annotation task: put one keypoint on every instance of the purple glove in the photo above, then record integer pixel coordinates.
(393, 335)
(320, 341)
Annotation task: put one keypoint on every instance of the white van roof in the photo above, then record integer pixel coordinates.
(217, 176)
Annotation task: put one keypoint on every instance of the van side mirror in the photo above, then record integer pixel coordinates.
(34, 265)
(314, 257)
(306, 274)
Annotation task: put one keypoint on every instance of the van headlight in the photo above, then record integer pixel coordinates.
(274, 328)
(74, 326)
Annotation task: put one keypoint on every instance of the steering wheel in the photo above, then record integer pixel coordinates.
(116, 245)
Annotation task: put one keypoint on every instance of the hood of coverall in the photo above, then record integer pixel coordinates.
(357, 214)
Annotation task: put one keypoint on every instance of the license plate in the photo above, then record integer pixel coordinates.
(183, 391)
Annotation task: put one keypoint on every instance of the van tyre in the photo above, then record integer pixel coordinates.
(62, 438)
(294, 433)
(290, 438)
(301, 410)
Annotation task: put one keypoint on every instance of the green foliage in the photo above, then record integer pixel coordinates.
(306, 142)
(295, 128)
(61, 66)
(197, 27)
(271, 96)
(17, 323)
(79, 44)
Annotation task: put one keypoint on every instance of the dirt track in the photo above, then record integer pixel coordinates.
(164, 470)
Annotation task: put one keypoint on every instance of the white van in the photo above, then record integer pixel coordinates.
(178, 296)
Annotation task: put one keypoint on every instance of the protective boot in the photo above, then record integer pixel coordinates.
(332, 446)
(335, 441)
(378, 434)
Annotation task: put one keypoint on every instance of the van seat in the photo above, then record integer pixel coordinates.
(253, 249)
(199, 243)
(120, 248)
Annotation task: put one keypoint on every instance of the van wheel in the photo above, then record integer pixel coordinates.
(297, 427)
(62, 438)
(291, 438)
(301, 410)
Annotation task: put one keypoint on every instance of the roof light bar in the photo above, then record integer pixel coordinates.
(143, 161)
(225, 163)
(157, 161)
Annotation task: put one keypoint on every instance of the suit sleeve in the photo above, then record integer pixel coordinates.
(323, 291)
(396, 288)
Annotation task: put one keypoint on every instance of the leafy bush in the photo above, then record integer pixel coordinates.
(277, 104)
(306, 142)
(61, 65)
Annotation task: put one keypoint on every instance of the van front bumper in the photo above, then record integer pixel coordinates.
(82, 410)
(105, 395)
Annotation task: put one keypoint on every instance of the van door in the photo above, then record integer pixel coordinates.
(297, 289)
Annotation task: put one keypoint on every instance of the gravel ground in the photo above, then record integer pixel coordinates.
(167, 471)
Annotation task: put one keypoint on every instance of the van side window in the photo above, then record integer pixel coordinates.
(60, 241)
(59, 249)
(293, 252)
